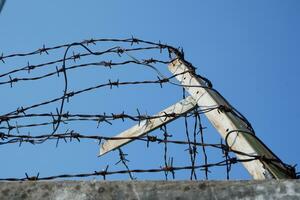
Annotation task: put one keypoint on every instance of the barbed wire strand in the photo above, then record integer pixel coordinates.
(13, 127)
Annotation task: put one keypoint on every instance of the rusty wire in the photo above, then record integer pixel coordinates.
(105, 173)
(11, 130)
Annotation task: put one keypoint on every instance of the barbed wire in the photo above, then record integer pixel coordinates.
(15, 123)
(105, 173)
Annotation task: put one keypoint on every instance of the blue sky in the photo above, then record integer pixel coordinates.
(248, 49)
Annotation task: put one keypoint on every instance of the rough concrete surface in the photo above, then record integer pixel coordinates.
(88, 190)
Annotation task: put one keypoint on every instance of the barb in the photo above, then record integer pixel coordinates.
(75, 136)
(36, 123)
(105, 173)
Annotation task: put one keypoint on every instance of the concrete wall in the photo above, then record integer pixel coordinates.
(86, 190)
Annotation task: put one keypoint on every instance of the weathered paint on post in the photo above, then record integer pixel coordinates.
(227, 122)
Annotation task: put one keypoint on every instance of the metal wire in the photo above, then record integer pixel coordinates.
(14, 123)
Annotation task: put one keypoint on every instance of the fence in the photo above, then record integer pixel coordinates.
(80, 113)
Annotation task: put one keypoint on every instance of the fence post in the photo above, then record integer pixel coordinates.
(234, 130)
(169, 114)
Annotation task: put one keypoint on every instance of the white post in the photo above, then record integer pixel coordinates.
(226, 123)
(146, 126)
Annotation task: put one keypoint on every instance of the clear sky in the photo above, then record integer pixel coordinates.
(248, 49)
